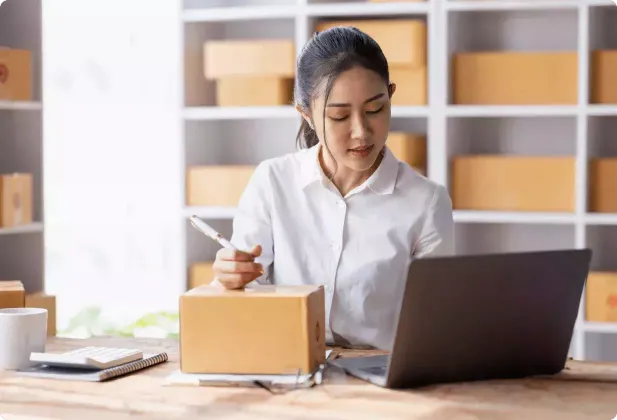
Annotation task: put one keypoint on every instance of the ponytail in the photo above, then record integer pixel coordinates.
(307, 137)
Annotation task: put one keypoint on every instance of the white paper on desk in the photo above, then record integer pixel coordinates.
(196, 379)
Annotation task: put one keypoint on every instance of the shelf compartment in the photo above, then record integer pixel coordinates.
(602, 165)
(361, 8)
(601, 346)
(239, 13)
(504, 217)
(463, 5)
(211, 5)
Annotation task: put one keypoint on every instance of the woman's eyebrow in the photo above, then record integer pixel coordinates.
(371, 99)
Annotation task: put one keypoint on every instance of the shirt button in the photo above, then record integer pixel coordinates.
(341, 203)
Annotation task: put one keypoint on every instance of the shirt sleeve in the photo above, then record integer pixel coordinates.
(437, 237)
(252, 221)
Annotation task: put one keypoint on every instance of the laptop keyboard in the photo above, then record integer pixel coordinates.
(375, 370)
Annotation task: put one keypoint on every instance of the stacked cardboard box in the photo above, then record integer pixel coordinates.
(15, 75)
(12, 294)
(45, 301)
(603, 70)
(15, 199)
(200, 274)
(602, 185)
(409, 148)
(251, 73)
(217, 185)
(403, 42)
(601, 296)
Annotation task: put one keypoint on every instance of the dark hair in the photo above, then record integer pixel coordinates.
(324, 57)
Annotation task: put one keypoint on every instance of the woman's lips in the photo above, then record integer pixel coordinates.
(361, 151)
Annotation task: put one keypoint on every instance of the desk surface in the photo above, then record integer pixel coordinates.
(582, 391)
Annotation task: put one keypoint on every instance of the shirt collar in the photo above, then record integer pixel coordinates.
(381, 182)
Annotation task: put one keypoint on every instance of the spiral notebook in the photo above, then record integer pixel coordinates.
(89, 375)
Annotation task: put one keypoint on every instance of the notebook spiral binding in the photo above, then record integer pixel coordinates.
(133, 366)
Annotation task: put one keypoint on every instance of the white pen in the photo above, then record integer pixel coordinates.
(207, 230)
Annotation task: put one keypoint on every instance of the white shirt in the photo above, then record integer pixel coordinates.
(359, 246)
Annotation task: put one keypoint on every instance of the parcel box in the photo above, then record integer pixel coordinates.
(603, 74)
(265, 57)
(603, 185)
(261, 329)
(12, 294)
(15, 75)
(15, 199)
(513, 183)
(200, 274)
(217, 185)
(44, 301)
(254, 91)
(411, 86)
(403, 41)
(601, 297)
(409, 148)
(515, 78)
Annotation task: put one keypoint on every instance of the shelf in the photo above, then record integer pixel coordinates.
(238, 113)
(511, 5)
(366, 9)
(602, 110)
(20, 106)
(210, 212)
(409, 111)
(601, 219)
(472, 216)
(220, 14)
(510, 111)
(31, 228)
(600, 327)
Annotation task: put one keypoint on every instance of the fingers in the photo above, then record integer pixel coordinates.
(234, 269)
(225, 266)
(227, 254)
(236, 280)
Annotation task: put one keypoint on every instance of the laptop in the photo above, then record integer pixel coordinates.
(481, 317)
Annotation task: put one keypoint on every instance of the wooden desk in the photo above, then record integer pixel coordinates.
(142, 396)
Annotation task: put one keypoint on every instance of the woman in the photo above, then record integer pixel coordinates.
(343, 212)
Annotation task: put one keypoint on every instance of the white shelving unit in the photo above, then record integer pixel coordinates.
(21, 147)
(248, 135)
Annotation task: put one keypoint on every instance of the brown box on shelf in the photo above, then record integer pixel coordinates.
(12, 294)
(513, 183)
(42, 300)
(254, 91)
(200, 274)
(515, 78)
(283, 326)
(411, 86)
(601, 297)
(264, 57)
(603, 185)
(15, 199)
(603, 72)
(15, 74)
(217, 185)
(409, 148)
(403, 41)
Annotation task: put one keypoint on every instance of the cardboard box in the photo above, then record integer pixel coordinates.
(15, 199)
(12, 294)
(265, 57)
(411, 86)
(601, 297)
(603, 185)
(602, 74)
(15, 75)
(403, 41)
(515, 78)
(513, 183)
(200, 274)
(215, 185)
(254, 91)
(42, 300)
(258, 330)
(409, 148)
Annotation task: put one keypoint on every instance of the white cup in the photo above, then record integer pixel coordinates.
(22, 331)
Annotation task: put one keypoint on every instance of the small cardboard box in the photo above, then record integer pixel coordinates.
(265, 57)
(603, 185)
(15, 75)
(515, 78)
(15, 199)
(42, 300)
(513, 183)
(601, 297)
(409, 148)
(215, 185)
(12, 294)
(602, 74)
(200, 274)
(411, 86)
(254, 91)
(403, 41)
(261, 329)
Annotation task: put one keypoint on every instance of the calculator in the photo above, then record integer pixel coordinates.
(88, 357)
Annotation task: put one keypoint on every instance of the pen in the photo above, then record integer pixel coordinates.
(207, 230)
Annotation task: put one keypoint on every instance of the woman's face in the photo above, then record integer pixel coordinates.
(357, 118)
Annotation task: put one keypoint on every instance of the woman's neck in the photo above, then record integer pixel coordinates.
(345, 179)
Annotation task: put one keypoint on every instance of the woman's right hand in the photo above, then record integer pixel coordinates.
(234, 269)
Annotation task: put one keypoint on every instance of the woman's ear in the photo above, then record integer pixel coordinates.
(306, 116)
(391, 89)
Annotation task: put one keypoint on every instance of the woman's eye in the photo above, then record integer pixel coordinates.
(338, 118)
(376, 111)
